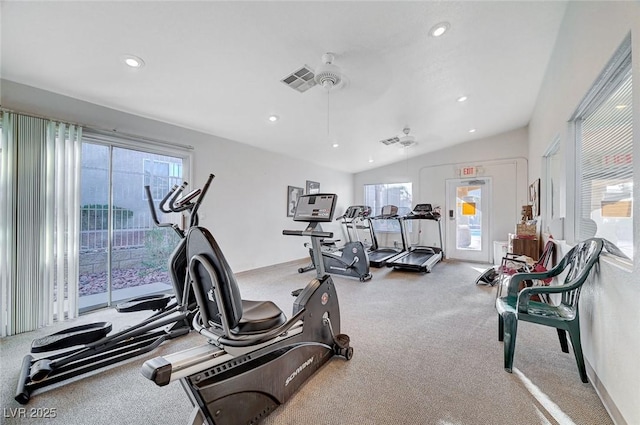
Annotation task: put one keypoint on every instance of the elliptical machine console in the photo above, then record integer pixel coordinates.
(255, 358)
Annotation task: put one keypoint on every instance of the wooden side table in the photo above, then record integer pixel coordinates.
(524, 246)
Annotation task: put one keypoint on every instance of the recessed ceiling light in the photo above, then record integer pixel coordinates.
(335, 144)
(273, 118)
(133, 61)
(370, 160)
(462, 98)
(473, 130)
(621, 106)
(439, 29)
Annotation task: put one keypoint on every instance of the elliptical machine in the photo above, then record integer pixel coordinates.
(255, 358)
(351, 260)
(91, 347)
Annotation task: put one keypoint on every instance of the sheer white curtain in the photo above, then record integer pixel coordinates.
(39, 222)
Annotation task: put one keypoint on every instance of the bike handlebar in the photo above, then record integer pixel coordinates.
(313, 233)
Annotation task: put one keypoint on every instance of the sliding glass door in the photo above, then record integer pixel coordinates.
(122, 254)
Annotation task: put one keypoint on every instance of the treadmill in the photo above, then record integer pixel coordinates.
(353, 219)
(419, 258)
(378, 256)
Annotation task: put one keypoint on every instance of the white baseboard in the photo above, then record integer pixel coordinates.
(606, 399)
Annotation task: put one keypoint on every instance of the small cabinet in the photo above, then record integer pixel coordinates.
(524, 246)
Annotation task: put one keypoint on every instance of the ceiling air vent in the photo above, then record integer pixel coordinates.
(390, 141)
(300, 80)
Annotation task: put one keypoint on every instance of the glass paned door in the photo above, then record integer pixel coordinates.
(94, 227)
(123, 254)
(140, 250)
(467, 218)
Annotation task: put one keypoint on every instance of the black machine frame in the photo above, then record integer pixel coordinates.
(91, 347)
(251, 364)
(419, 258)
(349, 260)
(378, 255)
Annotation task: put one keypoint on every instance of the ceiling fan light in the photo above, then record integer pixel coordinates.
(328, 75)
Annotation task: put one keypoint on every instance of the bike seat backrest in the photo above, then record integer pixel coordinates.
(217, 293)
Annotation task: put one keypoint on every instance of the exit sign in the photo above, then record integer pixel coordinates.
(468, 172)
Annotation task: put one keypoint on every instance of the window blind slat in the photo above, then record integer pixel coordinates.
(605, 148)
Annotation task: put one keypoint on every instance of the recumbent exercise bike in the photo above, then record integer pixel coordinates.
(255, 358)
(90, 347)
(351, 260)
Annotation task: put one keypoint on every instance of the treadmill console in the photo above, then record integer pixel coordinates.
(356, 211)
(424, 211)
(316, 208)
(422, 208)
(389, 211)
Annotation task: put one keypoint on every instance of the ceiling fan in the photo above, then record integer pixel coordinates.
(404, 139)
(327, 75)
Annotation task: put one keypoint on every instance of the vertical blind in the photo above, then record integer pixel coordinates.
(39, 223)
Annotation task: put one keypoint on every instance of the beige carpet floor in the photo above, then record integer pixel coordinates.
(425, 352)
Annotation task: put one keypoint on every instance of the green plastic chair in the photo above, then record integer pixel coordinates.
(564, 316)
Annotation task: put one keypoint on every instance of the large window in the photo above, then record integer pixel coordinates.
(604, 157)
(378, 195)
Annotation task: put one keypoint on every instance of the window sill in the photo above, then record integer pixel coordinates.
(618, 262)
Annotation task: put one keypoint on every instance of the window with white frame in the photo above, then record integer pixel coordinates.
(604, 156)
(377, 196)
(160, 175)
(554, 160)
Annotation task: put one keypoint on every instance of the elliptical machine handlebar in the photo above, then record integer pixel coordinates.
(154, 215)
(198, 202)
(182, 204)
(162, 204)
(172, 203)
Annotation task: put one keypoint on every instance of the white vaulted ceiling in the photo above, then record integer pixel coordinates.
(216, 67)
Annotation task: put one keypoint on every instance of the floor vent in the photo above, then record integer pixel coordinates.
(300, 80)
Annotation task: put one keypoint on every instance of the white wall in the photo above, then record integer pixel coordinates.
(246, 206)
(501, 157)
(610, 305)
